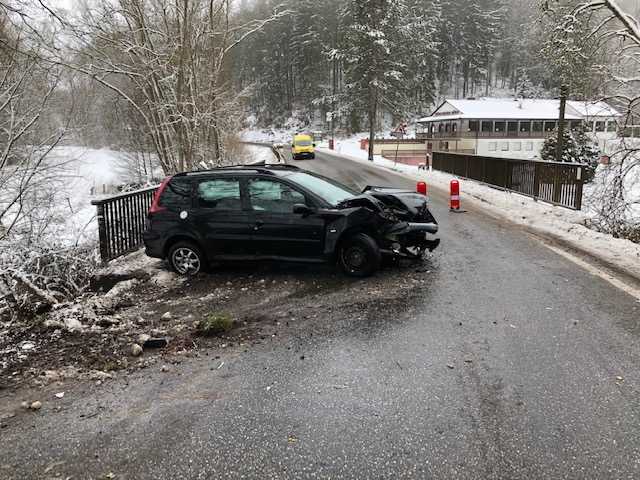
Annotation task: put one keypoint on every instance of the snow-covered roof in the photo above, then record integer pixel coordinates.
(511, 109)
(593, 109)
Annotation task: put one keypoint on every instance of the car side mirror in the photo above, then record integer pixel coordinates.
(314, 145)
(293, 146)
(304, 210)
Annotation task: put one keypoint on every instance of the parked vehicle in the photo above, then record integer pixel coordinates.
(303, 147)
(283, 213)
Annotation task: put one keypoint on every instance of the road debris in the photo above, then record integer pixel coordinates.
(136, 350)
(59, 395)
(37, 405)
(156, 343)
(450, 366)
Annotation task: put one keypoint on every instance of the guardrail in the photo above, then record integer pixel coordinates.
(121, 222)
(552, 182)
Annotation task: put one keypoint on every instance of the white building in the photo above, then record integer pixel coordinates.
(511, 128)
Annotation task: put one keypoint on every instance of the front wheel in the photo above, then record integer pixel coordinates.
(359, 256)
(186, 259)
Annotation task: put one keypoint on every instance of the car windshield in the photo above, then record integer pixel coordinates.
(303, 143)
(332, 193)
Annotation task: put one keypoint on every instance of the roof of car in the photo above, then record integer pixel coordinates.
(276, 170)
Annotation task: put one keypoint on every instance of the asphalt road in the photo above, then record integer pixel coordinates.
(507, 362)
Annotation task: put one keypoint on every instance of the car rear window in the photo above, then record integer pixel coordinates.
(220, 194)
(177, 195)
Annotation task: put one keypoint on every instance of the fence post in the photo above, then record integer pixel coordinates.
(579, 188)
(557, 186)
(536, 181)
(102, 233)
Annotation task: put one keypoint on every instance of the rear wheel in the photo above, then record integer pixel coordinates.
(359, 256)
(186, 258)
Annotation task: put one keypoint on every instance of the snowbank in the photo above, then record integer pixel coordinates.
(553, 222)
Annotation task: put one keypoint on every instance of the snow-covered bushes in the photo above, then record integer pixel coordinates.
(36, 277)
(613, 199)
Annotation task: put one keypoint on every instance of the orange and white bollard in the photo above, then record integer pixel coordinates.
(422, 188)
(455, 196)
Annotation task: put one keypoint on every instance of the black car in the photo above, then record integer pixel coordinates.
(283, 213)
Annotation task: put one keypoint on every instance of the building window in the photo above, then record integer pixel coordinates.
(454, 127)
(525, 127)
(474, 125)
(516, 146)
(512, 127)
(487, 126)
(537, 127)
(612, 126)
(447, 127)
(576, 124)
(432, 128)
(528, 146)
(600, 126)
(500, 126)
(549, 126)
(493, 146)
(504, 146)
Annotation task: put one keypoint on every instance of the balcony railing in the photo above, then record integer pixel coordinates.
(455, 135)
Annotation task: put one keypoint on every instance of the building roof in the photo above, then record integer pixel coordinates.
(512, 109)
(593, 109)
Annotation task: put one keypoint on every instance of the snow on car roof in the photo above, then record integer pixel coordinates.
(512, 109)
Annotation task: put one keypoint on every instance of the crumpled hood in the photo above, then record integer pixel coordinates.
(405, 205)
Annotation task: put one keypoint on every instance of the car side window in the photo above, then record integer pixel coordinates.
(273, 196)
(220, 194)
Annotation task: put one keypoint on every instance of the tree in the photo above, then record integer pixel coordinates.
(616, 32)
(576, 148)
(168, 60)
(27, 131)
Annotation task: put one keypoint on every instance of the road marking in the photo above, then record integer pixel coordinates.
(598, 272)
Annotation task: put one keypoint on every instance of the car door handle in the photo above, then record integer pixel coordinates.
(258, 225)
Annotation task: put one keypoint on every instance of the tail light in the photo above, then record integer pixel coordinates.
(155, 205)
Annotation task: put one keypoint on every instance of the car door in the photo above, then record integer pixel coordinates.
(278, 232)
(224, 221)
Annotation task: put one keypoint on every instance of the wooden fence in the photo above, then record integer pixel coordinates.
(556, 183)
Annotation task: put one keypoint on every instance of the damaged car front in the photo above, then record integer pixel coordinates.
(401, 220)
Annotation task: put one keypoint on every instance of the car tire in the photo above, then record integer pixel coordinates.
(359, 256)
(186, 258)
(313, 156)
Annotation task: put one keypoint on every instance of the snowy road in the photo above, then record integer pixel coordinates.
(506, 361)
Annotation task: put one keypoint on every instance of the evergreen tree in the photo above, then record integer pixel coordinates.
(577, 147)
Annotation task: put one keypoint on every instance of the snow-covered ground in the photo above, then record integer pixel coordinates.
(254, 154)
(554, 222)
